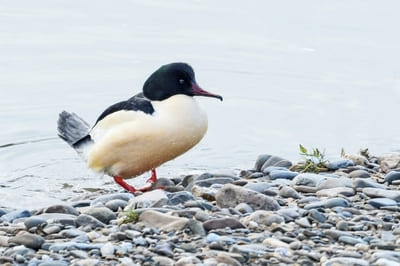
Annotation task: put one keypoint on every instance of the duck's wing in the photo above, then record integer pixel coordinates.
(136, 103)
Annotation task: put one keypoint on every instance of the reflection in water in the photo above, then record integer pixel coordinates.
(323, 74)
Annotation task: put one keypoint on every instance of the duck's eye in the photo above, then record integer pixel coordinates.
(181, 81)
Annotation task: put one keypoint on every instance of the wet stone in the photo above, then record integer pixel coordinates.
(317, 216)
(28, 240)
(335, 192)
(359, 174)
(342, 225)
(341, 163)
(88, 220)
(13, 215)
(363, 183)
(214, 180)
(392, 176)
(264, 218)
(258, 187)
(336, 202)
(102, 200)
(382, 202)
(180, 198)
(61, 209)
(345, 261)
(222, 223)
(231, 196)
(276, 161)
(107, 249)
(154, 198)
(350, 240)
(244, 208)
(116, 204)
(382, 193)
(288, 192)
(34, 221)
(103, 214)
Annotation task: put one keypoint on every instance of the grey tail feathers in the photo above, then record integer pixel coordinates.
(74, 130)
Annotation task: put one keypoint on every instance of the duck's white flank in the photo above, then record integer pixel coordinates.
(129, 143)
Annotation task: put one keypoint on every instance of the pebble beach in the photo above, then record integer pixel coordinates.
(269, 214)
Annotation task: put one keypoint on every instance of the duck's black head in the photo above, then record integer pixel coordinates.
(172, 79)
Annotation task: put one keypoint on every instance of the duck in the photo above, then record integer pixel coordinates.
(140, 134)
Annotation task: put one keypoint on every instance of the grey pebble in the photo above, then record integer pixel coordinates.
(213, 180)
(106, 198)
(34, 221)
(350, 240)
(180, 197)
(382, 193)
(345, 261)
(222, 223)
(13, 215)
(359, 174)
(244, 208)
(382, 202)
(258, 186)
(61, 209)
(303, 222)
(289, 192)
(88, 220)
(282, 175)
(103, 214)
(341, 163)
(317, 216)
(231, 195)
(363, 183)
(392, 176)
(107, 249)
(28, 240)
(115, 204)
(342, 225)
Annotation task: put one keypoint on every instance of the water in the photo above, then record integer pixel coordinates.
(320, 73)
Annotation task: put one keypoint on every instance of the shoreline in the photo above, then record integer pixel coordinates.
(270, 214)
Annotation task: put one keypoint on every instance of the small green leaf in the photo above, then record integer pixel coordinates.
(303, 149)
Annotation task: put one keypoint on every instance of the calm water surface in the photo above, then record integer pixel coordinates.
(321, 73)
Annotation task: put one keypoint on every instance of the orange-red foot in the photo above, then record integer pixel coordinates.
(150, 182)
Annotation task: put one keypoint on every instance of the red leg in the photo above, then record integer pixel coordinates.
(125, 185)
(152, 180)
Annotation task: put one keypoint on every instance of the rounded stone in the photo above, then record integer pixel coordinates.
(392, 176)
(13, 215)
(382, 202)
(34, 221)
(28, 240)
(317, 216)
(61, 209)
(342, 225)
(359, 174)
(115, 204)
(222, 223)
(88, 220)
(282, 174)
(102, 200)
(230, 196)
(363, 183)
(261, 159)
(244, 208)
(103, 214)
(289, 192)
(341, 163)
(180, 197)
(107, 249)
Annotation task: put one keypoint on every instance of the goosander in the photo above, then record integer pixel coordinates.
(137, 135)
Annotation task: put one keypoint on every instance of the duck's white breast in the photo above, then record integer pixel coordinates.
(129, 143)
